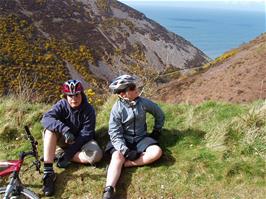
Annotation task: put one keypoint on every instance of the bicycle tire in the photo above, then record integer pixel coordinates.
(25, 193)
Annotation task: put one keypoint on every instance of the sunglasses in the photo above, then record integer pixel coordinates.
(73, 95)
(131, 87)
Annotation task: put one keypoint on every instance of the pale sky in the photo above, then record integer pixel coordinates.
(195, 0)
(239, 4)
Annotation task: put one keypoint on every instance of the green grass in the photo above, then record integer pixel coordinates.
(211, 150)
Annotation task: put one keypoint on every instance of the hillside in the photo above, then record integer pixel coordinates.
(237, 76)
(211, 150)
(46, 42)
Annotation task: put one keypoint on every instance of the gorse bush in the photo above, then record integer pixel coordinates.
(25, 56)
(24, 52)
(92, 98)
(221, 58)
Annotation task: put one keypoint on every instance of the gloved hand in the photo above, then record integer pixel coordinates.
(63, 162)
(131, 155)
(69, 137)
(155, 134)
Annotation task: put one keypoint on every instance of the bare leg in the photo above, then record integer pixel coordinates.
(81, 157)
(90, 153)
(49, 144)
(115, 169)
(151, 154)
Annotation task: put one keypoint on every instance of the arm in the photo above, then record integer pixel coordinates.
(52, 119)
(157, 113)
(116, 131)
(86, 134)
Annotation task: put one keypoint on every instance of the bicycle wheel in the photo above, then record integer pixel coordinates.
(25, 193)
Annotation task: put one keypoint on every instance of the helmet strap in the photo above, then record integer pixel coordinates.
(131, 103)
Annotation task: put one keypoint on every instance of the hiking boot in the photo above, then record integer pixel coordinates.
(62, 162)
(48, 184)
(108, 192)
(59, 152)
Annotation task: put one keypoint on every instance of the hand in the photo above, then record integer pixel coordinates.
(155, 134)
(69, 137)
(131, 155)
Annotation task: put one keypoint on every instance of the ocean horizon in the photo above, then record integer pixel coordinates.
(214, 28)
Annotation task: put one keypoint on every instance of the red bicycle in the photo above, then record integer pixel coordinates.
(15, 189)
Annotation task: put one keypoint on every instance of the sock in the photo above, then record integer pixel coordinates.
(48, 168)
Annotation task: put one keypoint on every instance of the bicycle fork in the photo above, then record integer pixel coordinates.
(12, 188)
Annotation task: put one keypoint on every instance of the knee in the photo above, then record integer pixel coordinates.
(98, 155)
(155, 152)
(47, 134)
(49, 137)
(92, 157)
(117, 156)
(159, 152)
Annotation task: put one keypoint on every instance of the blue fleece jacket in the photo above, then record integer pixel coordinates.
(79, 121)
(128, 122)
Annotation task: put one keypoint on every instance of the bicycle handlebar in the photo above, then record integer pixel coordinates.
(34, 151)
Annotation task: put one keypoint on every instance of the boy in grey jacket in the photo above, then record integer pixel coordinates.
(70, 123)
(129, 143)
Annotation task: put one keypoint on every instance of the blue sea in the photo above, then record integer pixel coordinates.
(212, 27)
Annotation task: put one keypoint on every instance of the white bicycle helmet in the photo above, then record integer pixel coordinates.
(121, 83)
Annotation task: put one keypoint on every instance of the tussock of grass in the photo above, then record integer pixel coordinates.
(211, 150)
(15, 114)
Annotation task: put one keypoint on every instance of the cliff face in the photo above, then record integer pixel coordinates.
(119, 38)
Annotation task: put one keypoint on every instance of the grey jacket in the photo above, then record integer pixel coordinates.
(128, 122)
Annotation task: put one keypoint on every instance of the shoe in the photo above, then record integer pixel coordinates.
(48, 184)
(108, 192)
(59, 152)
(62, 162)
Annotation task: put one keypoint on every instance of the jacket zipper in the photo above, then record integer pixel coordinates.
(134, 124)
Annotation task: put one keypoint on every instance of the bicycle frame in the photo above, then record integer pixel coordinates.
(10, 166)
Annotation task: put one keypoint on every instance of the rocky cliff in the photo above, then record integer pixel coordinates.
(106, 37)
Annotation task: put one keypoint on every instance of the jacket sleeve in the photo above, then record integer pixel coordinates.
(157, 113)
(52, 120)
(116, 131)
(86, 134)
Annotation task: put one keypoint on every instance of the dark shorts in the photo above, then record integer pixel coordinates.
(140, 146)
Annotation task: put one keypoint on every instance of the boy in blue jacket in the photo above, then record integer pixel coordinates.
(70, 124)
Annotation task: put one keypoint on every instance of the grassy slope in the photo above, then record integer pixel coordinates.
(212, 150)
